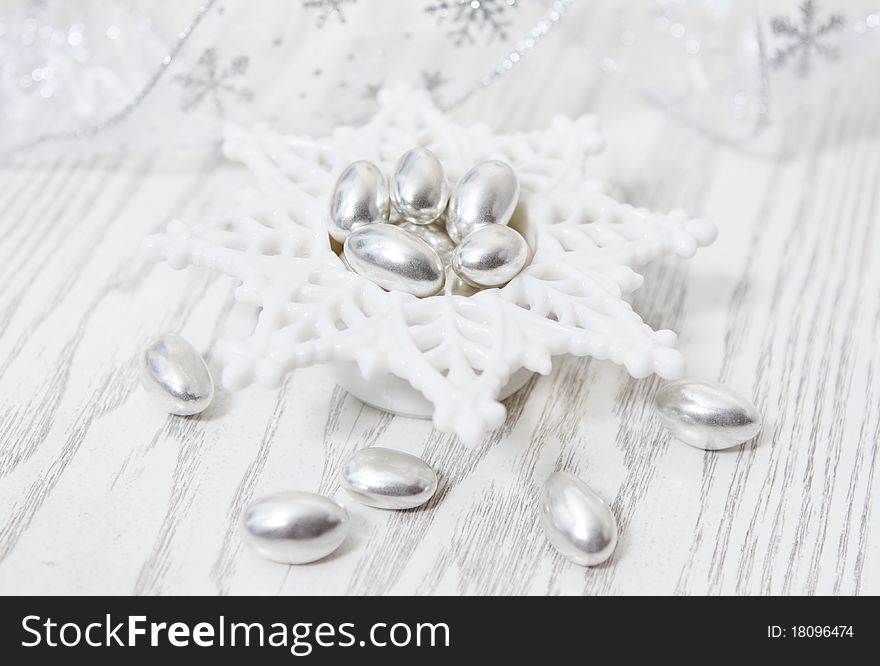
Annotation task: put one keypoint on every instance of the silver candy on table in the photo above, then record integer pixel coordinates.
(490, 256)
(359, 198)
(294, 527)
(394, 259)
(419, 190)
(177, 376)
(487, 194)
(435, 236)
(707, 415)
(388, 479)
(576, 520)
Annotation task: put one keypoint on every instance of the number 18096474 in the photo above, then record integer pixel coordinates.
(810, 631)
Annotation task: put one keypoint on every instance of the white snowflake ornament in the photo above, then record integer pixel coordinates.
(459, 352)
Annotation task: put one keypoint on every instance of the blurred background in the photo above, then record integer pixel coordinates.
(113, 73)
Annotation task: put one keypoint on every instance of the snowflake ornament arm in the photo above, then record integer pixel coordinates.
(458, 351)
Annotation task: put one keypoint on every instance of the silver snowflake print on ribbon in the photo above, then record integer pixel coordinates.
(805, 38)
(470, 18)
(372, 90)
(326, 9)
(210, 83)
(433, 80)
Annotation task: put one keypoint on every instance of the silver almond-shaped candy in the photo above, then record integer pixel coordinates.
(419, 190)
(455, 286)
(576, 520)
(707, 415)
(176, 375)
(388, 479)
(487, 194)
(359, 198)
(435, 236)
(294, 527)
(394, 259)
(490, 256)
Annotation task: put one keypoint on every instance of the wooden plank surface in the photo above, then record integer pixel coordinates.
(102, 493)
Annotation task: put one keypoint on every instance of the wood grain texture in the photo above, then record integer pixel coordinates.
(101, 493)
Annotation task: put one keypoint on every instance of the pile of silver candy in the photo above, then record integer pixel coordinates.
(417, 237)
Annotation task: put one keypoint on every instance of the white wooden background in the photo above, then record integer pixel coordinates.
(102, 493)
